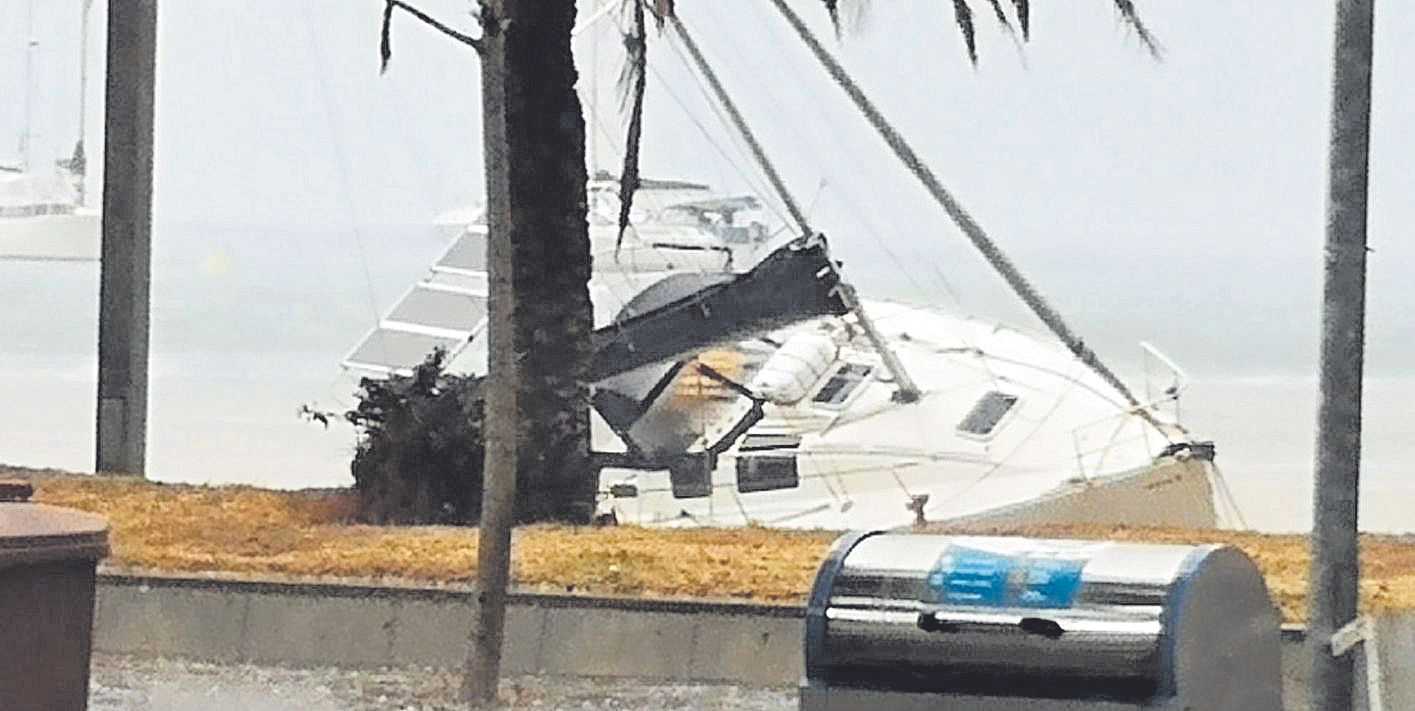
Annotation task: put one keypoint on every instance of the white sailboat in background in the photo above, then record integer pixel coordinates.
(679, 228)
(44, 215)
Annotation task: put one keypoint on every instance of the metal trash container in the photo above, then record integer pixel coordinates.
(906, 621)
(47, 559)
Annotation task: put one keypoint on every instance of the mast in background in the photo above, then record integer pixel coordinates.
(592, 106)
(599, 9)
(31, 44)
(78, 164)
(127, 230)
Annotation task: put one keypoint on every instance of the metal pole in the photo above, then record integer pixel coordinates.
(1335, 545)
(954, 209)
(127, 225)
(906, 390)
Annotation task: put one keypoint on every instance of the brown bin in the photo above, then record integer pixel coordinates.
(47, 561)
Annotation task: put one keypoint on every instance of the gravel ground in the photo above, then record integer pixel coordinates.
(129, 684)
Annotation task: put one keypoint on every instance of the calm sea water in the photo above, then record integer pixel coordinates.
(243, 335)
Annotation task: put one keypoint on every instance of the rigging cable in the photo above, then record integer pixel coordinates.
(1228, 497)
(869, 229)
(758, 153)
(746, 174)
(342, 169)
(845, 196)
(970, 227)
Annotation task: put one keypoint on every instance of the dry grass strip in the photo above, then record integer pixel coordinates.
(244, 530)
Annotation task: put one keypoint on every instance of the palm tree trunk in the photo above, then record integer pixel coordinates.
(540, 317)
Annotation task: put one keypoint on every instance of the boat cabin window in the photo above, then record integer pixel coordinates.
(35, 210)
(990, 409)
(690, 476)
(767, 463)
(768, 442)
(837, 390)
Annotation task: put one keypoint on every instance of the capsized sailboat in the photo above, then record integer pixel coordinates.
(739, 379)
(779, 409)
(1001, 427)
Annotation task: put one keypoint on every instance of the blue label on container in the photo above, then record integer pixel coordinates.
(975, 577)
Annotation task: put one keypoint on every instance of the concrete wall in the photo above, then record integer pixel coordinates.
(363, 626)
(298, 624)
(1395, 636)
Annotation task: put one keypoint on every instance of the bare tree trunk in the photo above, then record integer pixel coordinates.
(1335, 542)
(537, 421)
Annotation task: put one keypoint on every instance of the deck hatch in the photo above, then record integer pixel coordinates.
(987, 413)
(838, 389)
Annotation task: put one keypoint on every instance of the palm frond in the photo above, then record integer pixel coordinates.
(1001, 15)
(1131, 17)
(832, 8)
(385, 45)
(663, 10)
(964, 15)
(632, 80)
(1024, 17)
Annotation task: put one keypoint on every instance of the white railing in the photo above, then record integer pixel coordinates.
(1178, 379)
(1116, 425)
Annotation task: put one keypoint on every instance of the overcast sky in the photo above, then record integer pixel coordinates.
(1178, 201)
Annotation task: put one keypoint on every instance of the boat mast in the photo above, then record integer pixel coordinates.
(590, 109)
(905, 388)
(950, 204)
(599, 9)
(31, 44)
(78, 165)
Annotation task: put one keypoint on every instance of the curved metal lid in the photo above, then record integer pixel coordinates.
(35, 533)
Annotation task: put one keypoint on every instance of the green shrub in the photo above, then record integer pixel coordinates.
(419, 455)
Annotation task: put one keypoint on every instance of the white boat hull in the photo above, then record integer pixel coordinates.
(1000, 427)
(1067, 450)
(1169, 494)
(73, 237)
